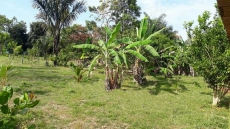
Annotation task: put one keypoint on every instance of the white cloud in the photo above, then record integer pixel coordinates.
(177, 11)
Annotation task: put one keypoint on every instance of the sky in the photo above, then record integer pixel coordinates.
(177, 11)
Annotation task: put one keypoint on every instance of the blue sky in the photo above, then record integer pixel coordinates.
(177, 11)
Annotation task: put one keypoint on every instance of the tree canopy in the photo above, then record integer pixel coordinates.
(58, 14)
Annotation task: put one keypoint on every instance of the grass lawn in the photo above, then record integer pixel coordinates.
(86, 105)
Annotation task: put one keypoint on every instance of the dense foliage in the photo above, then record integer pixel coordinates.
(210, 53)
(57, 15)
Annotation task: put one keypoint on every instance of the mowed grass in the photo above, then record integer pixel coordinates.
(86, 105)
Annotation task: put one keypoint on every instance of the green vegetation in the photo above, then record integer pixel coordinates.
(68, 104)
(21, 104)
(153, 55)
(210, 57)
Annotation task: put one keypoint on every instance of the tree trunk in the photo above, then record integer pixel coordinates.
(192, 72)
(107, 86)
(113, 78)
(216, 98)
(138, 74)
(55, 47)
(22, 59)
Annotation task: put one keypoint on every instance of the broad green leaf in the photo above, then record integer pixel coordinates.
(149, 31)
(102, 44)
(108, 31)
(143, 27)
(26, 97)
(112, 45)
(139, 43)
(4, 97)
(17, 101)
(114, 33)
(88, 41)
(1, 122)
(151, 50)
(136, 54)
(125, 40)
(124, 58)
(155, 33)
(33, 104)
(117, 59)
(93, 62)
(5, 109)
(9, 90)
(88, 46)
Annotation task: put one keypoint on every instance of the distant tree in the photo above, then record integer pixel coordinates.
(210, 53)
(58, 14)
(97, 33)
(4, 40)
(18, 32)
(124, 11)
(4, 23)
(127, 12)
(37, 30)
(72, 35)
(80, 34)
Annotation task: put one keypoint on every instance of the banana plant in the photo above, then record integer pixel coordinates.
(106, 52)
(78, 70)
(143, 43)
(113, 55)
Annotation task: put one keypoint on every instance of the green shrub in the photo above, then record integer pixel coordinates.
(20, 104)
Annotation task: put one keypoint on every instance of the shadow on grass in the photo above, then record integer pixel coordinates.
(158, 85)
(206, 93)
(225, 102)
(158, 89)
(134, 87)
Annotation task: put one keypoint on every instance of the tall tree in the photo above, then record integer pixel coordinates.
(4, 23)
(18, 32)
(210, 53)
(73, 35)
(124, 11)
(4, 40)
(37, 30)
(58, 14)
